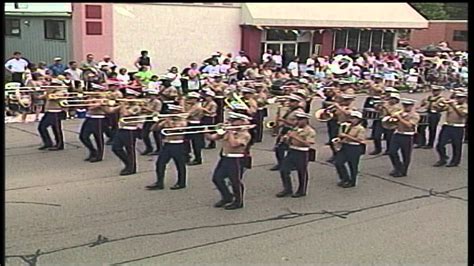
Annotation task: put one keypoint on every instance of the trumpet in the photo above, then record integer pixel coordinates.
(179, 131)
(390, 122)
(271, 124)
(325, 114)
(155, 117)
(132, 100)
(86, 102)
(441, 105)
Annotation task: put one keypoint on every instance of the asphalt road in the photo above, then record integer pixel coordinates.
(61, 210)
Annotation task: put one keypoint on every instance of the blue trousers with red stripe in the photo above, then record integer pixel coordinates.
(295, 160)
(53, 120)
(405, 144)
(233, 169)
(95, 127)
(124, 147)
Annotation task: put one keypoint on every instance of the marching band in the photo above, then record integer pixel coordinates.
(182, 121)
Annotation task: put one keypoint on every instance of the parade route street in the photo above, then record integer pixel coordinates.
(61, 210)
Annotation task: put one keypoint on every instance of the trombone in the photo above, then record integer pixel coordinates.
(69, 95)
(179, 131)
(155, 117)
(235, 101)
(86, 102)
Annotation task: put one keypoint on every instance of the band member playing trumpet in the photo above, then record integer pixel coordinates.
(94, 125)
(52, 118)
(387, 108)
(232, 162)
(300, 139)
(342, 114)
(111, 121)
(402, 138)
(433, 118)
(196, 141)
(352, 140)
(248, 95)
(453, 130)
(123, 145)
(261, 99)
(24, 104)
(173, 148)
(286, 123)
(209, 107)
(154, 105)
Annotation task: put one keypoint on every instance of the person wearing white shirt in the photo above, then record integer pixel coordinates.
(266, 55)
(242, 58)
(278, 59)
(293, 67)
(74, 70)
(107, 62)
(310, 67)
(212, 69)
(123, 76)
(17, 67)
(417, 58)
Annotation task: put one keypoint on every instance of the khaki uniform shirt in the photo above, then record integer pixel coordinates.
(390, 109)
(171, 123)
(431, 100)
(342, 117)
(307, 133)
(53, 105)
(413, 117)
(453, 118)
(195, 113)
(211, 107)
(126, 111)
(242, 136)
(356, 132)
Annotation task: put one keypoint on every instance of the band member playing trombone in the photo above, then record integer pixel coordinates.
(154, 105)
(248, 95)
(352, 143)
(433, 119)
(123, 145)
(342, 111)
(232, 162)
(386, 109)
(209, 107)
(173, 148)
(94, 125)
(287, 122)
(196, 141)
(453, 130)
(402, 138)
(111, 120)
(218, 87)
(299, 140)
(52, 118)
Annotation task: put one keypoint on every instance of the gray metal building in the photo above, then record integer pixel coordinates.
(39, 36)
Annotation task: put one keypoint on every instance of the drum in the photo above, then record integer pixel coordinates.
(423, 119)
(370, 114)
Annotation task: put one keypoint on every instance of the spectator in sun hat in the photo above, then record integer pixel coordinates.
(57, 68)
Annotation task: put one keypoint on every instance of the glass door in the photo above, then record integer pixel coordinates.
(289, 53)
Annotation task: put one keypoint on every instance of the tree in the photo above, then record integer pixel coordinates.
(457, 10)
(431, 11)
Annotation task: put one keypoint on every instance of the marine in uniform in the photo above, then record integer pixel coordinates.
(433, 119)
(154, 105)
(342, 114)
(111, 121)
(248, 95)
(52, 118)
(196, 141)
(261, 99)
(123, 145)
(387, 108)
(286, 123)
(352, 141)
(299, 139)
(173, 148)
(232, 162)
(94, 125)
(453, 130)
(218, 87)
(209, 108)
(402, 138)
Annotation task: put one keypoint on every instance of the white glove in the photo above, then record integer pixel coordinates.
(220, 132)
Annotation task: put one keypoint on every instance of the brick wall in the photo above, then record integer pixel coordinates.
(439, 31)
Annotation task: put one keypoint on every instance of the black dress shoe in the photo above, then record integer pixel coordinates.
(341, 183)
(234, 206)
(348, 185)
(331, 160)
(394, 172)
(439, 163)
(418, 146)
(222, 203)
(44, 147)
(94, 160)
(427, 147)
(298, 195)
(283, 194)
(195, 162)
(275, 168)
(452, 165)
(127, 172)
(146, 152)
(386, 153)
(375, 153)
(176, 187)
(399, 175)
(56, 149)
(155, 187)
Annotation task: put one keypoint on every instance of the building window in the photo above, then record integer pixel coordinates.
(388, 39)
(12, 27)
(94, 11)
(364, 44)
(353, 40)
(376, 41)
(94, 28)
(281, 35)
(340, 39)
(55, 29)
(460, 36)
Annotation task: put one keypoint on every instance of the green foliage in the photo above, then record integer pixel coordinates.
(431, 11)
